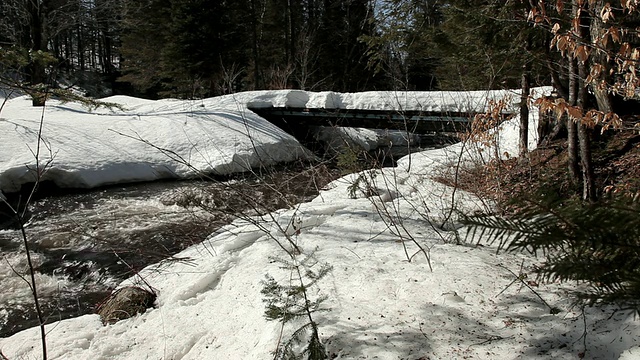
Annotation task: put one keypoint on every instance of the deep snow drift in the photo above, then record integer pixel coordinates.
(145, 140)
(379, 305)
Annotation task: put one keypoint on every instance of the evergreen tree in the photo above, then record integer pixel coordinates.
(60, 37)
(487, 44)
(343, 55)
(26, 26)
(185, 48)
(401, 48)
(145, 31)
(598, 244)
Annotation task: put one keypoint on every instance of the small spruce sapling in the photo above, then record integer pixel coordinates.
(290, 302)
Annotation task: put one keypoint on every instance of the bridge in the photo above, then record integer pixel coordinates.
(296, 121)
(422, 122)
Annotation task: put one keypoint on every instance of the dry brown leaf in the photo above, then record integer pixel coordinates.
(606, 13)
(582, 53)
(574, 112)
(615, 34)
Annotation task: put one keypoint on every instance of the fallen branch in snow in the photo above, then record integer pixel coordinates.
(520, 278)
(491, 339)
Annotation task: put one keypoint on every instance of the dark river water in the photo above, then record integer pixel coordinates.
(85, 243)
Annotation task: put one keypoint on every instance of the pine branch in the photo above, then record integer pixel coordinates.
(598, 244)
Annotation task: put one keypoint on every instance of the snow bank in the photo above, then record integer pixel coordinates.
(454, 101)
(148, 140)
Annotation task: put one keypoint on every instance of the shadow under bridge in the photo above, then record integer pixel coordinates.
(434, 128)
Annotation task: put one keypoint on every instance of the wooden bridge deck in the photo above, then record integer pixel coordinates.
(293, 120)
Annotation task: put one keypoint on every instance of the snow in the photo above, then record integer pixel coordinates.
(452, 301)
(145, 140)
(140, 140)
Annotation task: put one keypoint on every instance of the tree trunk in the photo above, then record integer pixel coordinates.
(584, 140)
(524, 114)
(558, 85)
(572, 128)
(588, 176)
(525, 83)
(288, 53)
(36, 69)
(254, 47)
(80, 52)
(599, 56)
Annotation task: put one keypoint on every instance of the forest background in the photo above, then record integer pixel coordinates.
(203, 48)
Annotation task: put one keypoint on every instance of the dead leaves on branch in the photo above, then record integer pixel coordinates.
(538, 16)
(606, 13)
(591, 118)
(608, 48)
(626, 5)
(570, 41)
(496, 113)
(629, 5)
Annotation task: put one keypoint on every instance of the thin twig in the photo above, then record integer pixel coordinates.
(519, 278)
(491, 339)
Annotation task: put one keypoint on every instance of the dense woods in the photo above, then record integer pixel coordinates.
(199, 48)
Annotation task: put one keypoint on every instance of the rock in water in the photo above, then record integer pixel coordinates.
(125, 303)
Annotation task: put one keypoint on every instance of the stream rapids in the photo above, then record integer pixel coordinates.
(84, 243)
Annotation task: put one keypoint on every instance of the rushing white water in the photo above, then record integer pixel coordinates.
(84, 244)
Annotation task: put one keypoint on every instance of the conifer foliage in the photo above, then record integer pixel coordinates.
(598, 244)
(290, 303)
(194, 49)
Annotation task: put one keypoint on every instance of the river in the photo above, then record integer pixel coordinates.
(85, 243)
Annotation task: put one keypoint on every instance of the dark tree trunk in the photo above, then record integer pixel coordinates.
(288, 53)
(524, 105)
(36, 69)
(598, 56)
(254, 47)
(68, 51)
(584, 140)
(80, 52)
(588, 175)
(105, 53)
(524, 113)
(558, 85)
(572, 127)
